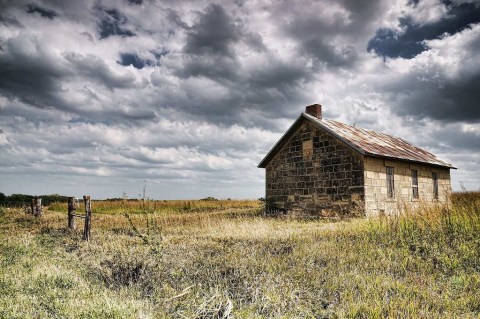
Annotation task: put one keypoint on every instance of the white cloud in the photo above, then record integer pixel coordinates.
(427, 11)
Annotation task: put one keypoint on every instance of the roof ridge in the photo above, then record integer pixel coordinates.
(380, 143)
(365, 141)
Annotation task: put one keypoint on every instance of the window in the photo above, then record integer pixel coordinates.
(307, 149)
(414, 183)
(435, 185)
(390, 183)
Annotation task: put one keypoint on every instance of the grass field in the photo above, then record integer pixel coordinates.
(161, 206)
(208, 259)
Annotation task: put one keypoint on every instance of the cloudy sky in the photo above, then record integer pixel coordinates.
(97, 96)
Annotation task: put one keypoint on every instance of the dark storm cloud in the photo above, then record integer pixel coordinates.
(113, 23)
(312, 34)
(216, 69)
(448, 101)
(214, 33)
(211, 53)
(43, 12)
(94, 68)
(269, 91)
(32, 77)
(329, 54)
(36, 77)
(176, 20)
(209, 46)
(328, 36)
(9, 21)
(134, 60)
(278, 75)
(361, 12)
(408, 42)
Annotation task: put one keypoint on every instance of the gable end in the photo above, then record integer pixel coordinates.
(284, 139)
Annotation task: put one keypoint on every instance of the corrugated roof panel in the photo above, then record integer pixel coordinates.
(379, 144)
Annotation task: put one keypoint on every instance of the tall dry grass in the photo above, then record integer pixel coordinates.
(447, 236)
(234, 263)
(161, 206)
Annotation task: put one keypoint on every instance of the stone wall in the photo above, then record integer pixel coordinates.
(316, 173)
(376, 199)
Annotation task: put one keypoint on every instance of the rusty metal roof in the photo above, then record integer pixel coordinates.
(366, 142)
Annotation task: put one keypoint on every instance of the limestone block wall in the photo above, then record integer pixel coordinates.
(376, 199)
(316, 173)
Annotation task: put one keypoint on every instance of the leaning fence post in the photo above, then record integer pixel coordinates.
(88, 213)
(37, 203)
(71, 212)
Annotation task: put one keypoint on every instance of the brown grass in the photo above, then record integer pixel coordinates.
(234, 263)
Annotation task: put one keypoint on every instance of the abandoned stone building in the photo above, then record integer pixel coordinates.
(329, 168)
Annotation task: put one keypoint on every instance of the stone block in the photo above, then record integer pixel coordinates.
(374, 160)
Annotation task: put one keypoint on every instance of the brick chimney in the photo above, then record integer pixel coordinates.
(314, 110)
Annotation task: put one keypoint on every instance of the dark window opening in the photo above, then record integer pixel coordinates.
(415, 183)
(435, 185)
(390, 183)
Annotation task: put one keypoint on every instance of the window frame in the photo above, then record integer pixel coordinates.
(435, 184)
(390, 172)
(415, 193)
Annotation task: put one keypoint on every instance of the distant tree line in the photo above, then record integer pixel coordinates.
(19, 199)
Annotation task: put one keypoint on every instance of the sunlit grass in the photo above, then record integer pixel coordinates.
(230, 261)
(163, 206)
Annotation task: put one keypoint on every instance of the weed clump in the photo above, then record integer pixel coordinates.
(218, 306)
(127, 269)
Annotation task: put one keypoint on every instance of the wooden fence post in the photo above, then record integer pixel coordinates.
(88, 214)
(32, 206)
(72, 208)
(37, 203)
